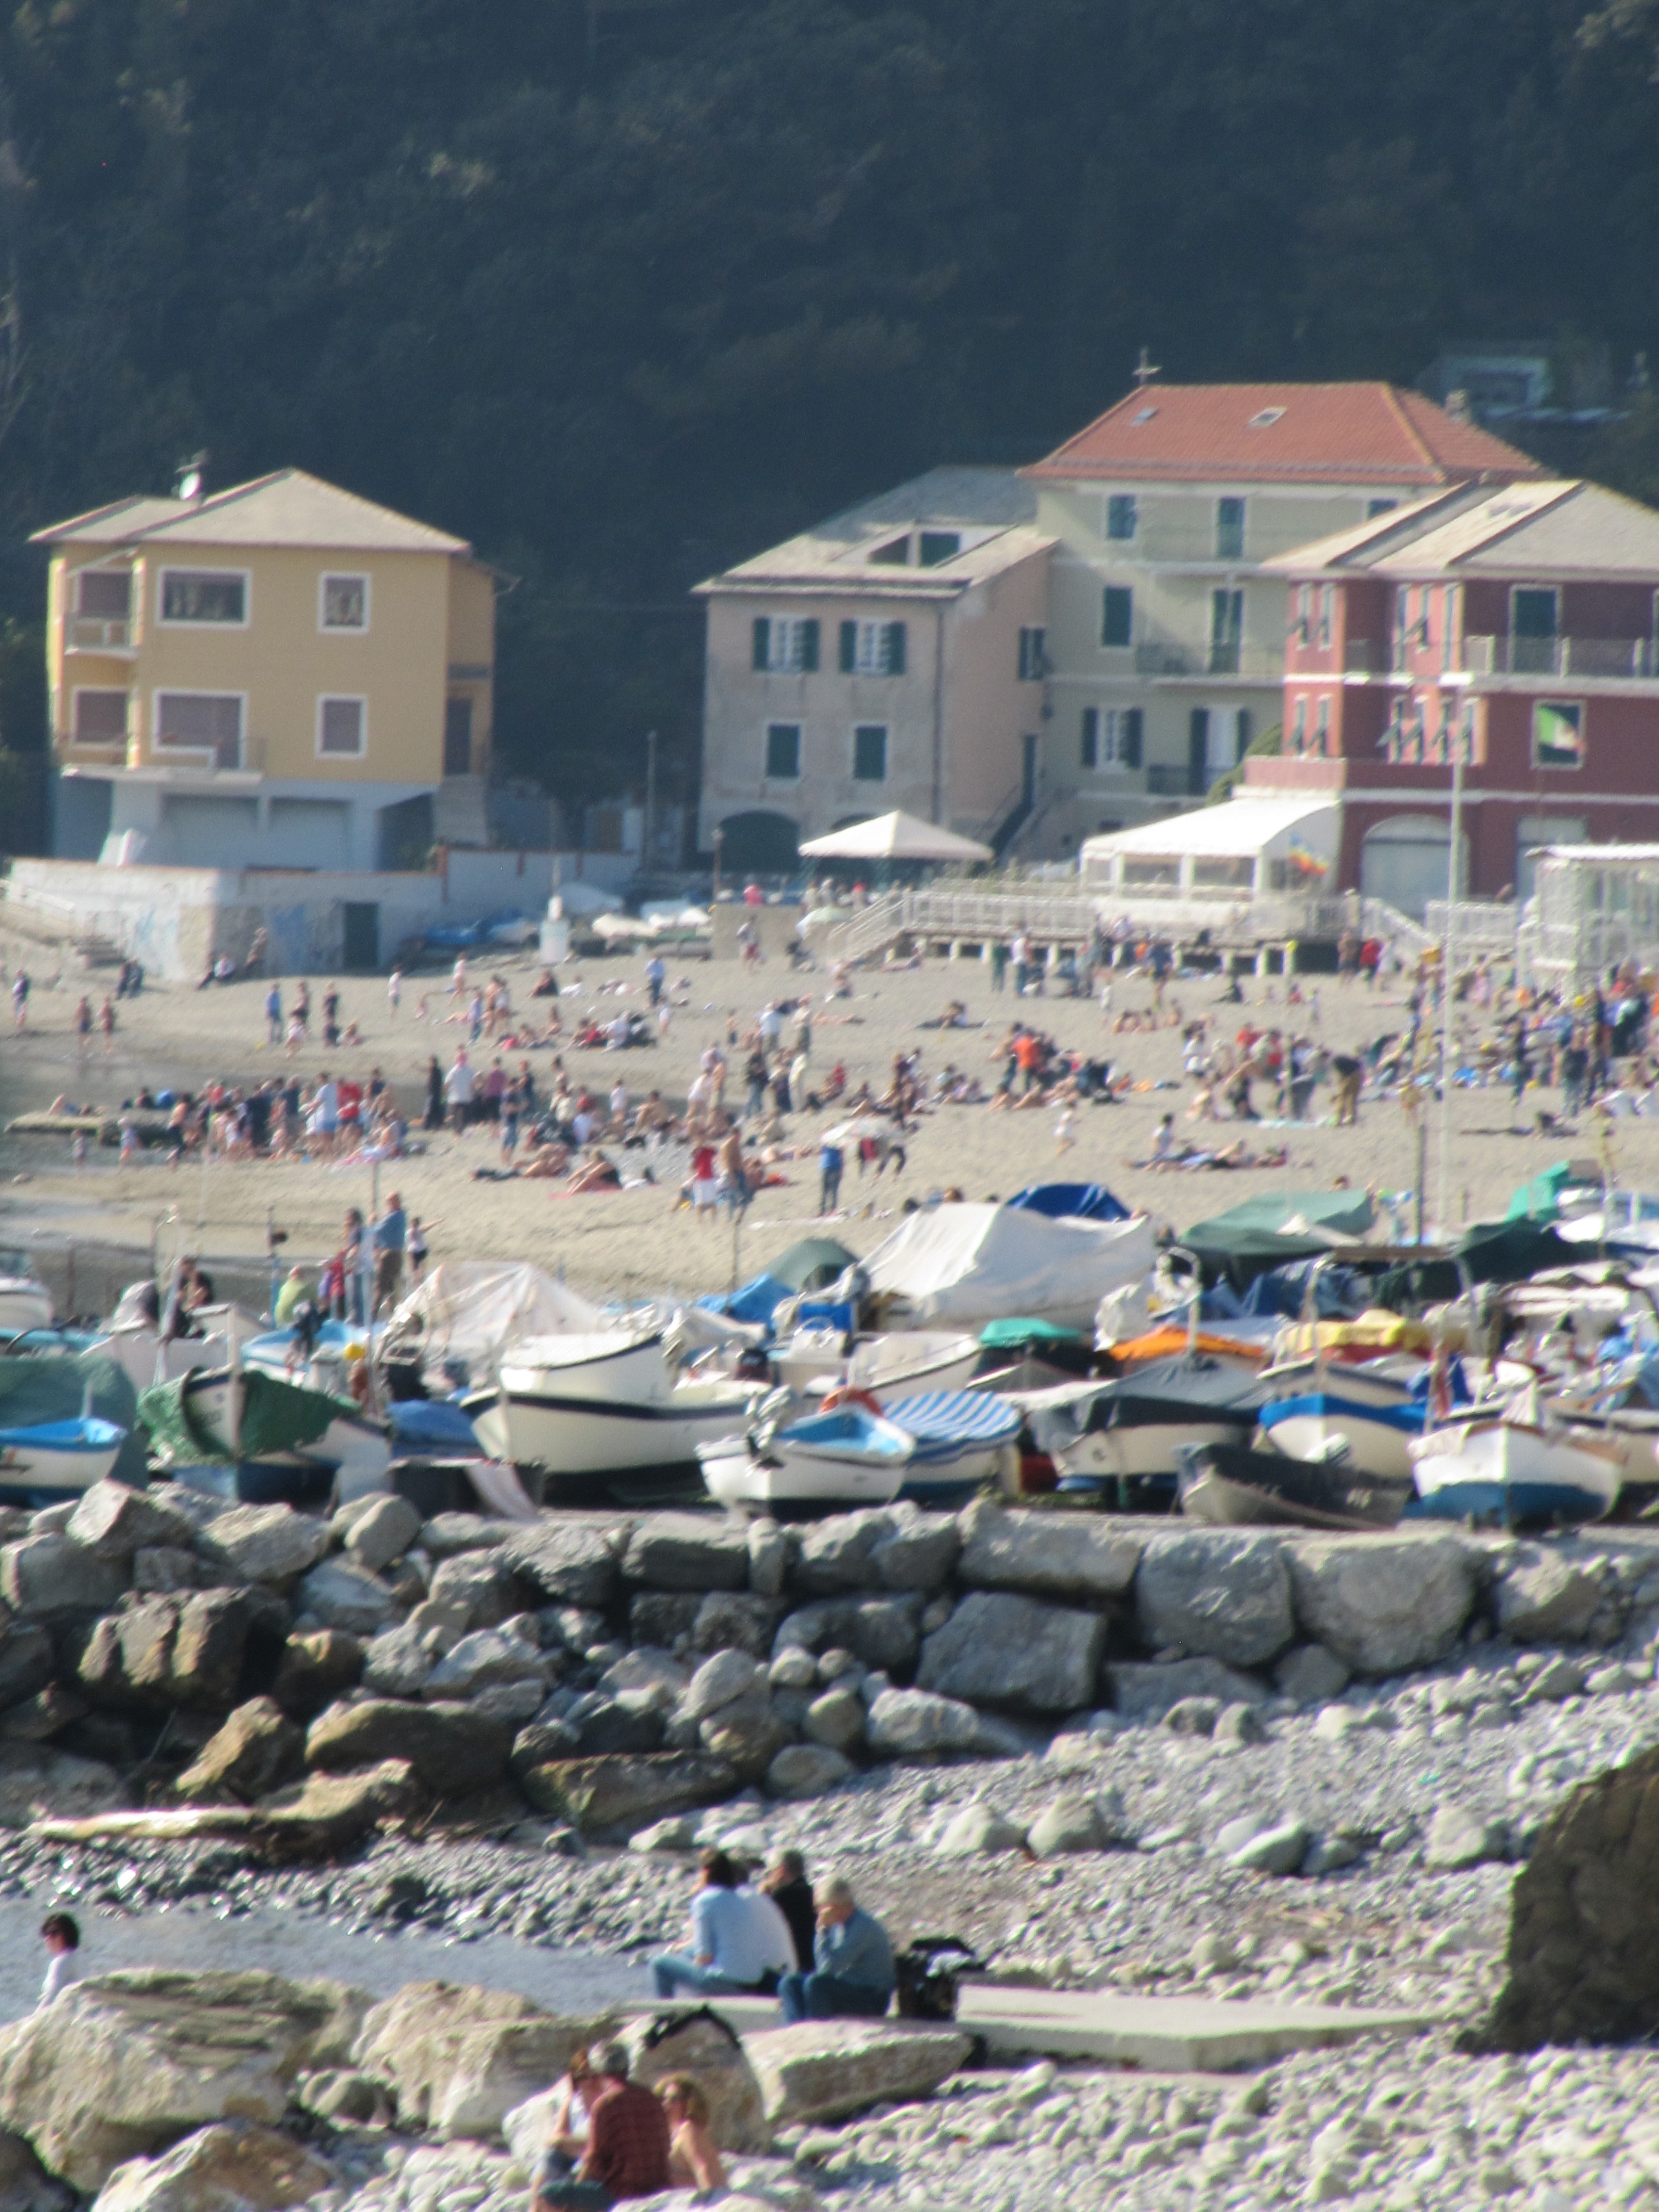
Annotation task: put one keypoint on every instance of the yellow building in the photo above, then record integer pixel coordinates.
(279, 675)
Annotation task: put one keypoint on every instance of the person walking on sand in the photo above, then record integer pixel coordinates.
(83, 1027)
(106, 1023)
(394, 992)
(20, 1001)
(274, 1014)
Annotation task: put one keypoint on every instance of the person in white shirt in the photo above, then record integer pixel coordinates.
(460, 1085)
(63, 1940)
(774, 1935)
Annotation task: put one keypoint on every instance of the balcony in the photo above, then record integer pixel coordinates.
(1253, 664)
(100, 634)
(1174, 780)
(1594, 659)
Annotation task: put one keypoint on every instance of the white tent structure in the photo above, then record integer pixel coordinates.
(896, 837)
(959, 1266)
(471, 1310)
(1246, 848)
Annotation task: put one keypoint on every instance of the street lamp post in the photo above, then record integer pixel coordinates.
(1458, 746)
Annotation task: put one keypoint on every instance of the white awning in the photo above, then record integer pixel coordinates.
(894, 836)
(1239, 827)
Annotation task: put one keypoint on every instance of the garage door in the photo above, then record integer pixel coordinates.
(1403, 862)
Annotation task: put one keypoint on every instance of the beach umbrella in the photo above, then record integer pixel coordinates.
(896, 837)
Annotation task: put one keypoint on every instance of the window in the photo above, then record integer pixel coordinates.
(200, 722)
(1226, 632)
(104, 594)
(458, 737)
(1111, 737)
(1033, 655)
(341, 728)
(1299, 726)
(1245, 732)
(211, 595)
(101, 718)
(1322, 743)
(1230, 529)
(1557, 733)
(343, 602)
(895, 554)
(870, 753)
(1117, 614)
(1375, 506)
(1326, 593)
(1120, 516)
(939, 546)
(785, 646)
(871, 648)
(1300, 631)
(1265, 419)
(782, 751)
(1532, 621)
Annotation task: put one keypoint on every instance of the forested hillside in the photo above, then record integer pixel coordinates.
(622, 291)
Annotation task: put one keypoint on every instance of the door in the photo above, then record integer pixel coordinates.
(1198, 752)
(362, 937)
(1533, 632)
(458, 737)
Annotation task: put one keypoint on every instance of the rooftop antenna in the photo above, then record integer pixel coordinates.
(190, 476)
(1145, 369)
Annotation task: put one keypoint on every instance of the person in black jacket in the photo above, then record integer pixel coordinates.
(785, 1883)
(434, 1095)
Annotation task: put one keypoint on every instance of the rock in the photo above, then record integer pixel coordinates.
(26, 1661)
(263, 1544)
(122, 2066)
(167, 1567)
(236, 2164)
(883, 1632)
(704, 2047)
(719, 1681)
(383, 1532)
(115, 1521)
(1194, 1715)
(616, 1796)
(1277, 1850)
(1310, 1676)
(215, 1629)
(478, 1586)
(397, 1661)
(1559, 1677)
(1048, 1554)
(1547, 1598)
(314, 1669)
(978, 1828)
(256, 1750)
(1218, 1593)
(1383, 1604)
(736, 1620)
(687, 1552)
(794, 1668)
(910, 1724)
(540, 1744)
(837, 1719)
(486, 1656)
(631, 1722)
(457, 2061)
(453, 1748)
(448, 1536)
(39, 1783)
(327, 1813)
(646, 1669)
(39, 1718)
(824, 2069)
(1233, 1835)
(1582, 1959)
(340, 1595)
(1328, 1855)
(1236, 1726)
(172, 1651)
(748, 1733)
(564, 1560)
(1144, 1692)
(514, 1702)
(1459, 1838)
(25, 2185)
(663, 1617)
(54, 1574)
(1000, 1649)
(770, 1550)
(807, 1770)
(1070, 1823)
(896, 1547)
(340, 2092)
(1613, 1681)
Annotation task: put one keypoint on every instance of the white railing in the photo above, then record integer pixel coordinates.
(1479, 926)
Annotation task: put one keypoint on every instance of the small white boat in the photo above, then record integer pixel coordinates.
(613, 1366)
(1514, 1469)
(58, 1458)
(848, 1455)
(962, 1438)
(811, 1356)
(579, 1435)
(136, 1346)
(907, 1362)
(25, 1301)
(1373, 1438)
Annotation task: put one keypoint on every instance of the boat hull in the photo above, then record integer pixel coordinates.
(24, 1304)
(610, 1368)
(56, 1460)
(1230, 1486)
(890, 1369)
(1146, 1451)
(1513, 1475)
(1377, 1437)
(733, 1476)
(578, 1436)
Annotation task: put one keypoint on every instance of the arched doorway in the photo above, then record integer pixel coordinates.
(1403, 861)
(758, 844)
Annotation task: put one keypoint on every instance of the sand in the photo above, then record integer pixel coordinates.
(633, 1243)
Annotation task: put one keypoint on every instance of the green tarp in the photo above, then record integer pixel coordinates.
(1000, 1335)
(55, 1386)
(1342, 1212)
(1540, 1199)
(276, 1417)
(811, 1265)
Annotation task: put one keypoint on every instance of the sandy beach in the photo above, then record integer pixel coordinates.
(632, 1242)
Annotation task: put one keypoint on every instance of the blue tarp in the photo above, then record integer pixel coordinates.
(754, 1302)
(426, 1428)
(1071, 1202)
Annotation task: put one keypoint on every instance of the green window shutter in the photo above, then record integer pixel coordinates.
(849, 648)
(894, 654)
(762, 652)
(1091, 737)
(1132, 737)
(809, 647)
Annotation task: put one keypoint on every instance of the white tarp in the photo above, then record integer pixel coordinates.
(896, 837)
(472, 1310)
(963, 1265)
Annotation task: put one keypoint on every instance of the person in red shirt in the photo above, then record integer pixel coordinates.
(705, 1187)
(628, 2141)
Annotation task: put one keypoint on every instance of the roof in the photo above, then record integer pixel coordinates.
(1561, 527)
(288, 507)
(1358, 434)
(1240, 826)
(991, 509)
(896, 836)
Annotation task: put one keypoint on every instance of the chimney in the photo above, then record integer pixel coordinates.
(1457, 406)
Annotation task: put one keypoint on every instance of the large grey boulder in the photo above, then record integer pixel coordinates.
(184, 1650)
(233, 2164)
(914, 1723)
(614, 1796)
(27, 1661)
(1459, 1837)
(1221, 1593)
(478, 1586)
(735, 1620)
(837, 1719)
(999, 1650)
(447, 1535)
(315, 1668)
(1310, 1676)
(977, 1829)
(397, 1661)
(487, 1656)
(566, 1561)
(687, 1552)
(340, 1595)
(1276, 1851)
(1384, 1604)
(457, 2061)
(381, 1529)
(1142, 1692)
(770, 1551)
(824, 2069)
(1547, 1598)
(807, 1770)
(704, 2047)
(53, 1574)
(263, 1544)
(748, 1733)
(1074, 1822)
(122, 2066)
(257, 1750)
(719, 1681)
(1049, 1554)
(37, 1783)
(115, 1521)
(882, 1632)
(883, 1547)
(453, 1748)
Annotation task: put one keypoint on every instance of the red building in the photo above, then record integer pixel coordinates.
(1519, 624)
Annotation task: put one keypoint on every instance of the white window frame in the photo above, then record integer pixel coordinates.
(192, 691)
(872, 646)
(183, 622)
(790, 630)
(1113, 730)
(98, 691)
(356, 699)
(327, 629)
(77, 613)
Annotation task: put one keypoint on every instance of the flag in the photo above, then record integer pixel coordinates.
(1558, 734)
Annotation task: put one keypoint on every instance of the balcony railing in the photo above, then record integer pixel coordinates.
(1628, 660)
(1174, 780)
(1225, 657)
(98, 633)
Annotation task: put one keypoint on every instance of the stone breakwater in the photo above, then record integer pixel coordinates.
(604, 1676)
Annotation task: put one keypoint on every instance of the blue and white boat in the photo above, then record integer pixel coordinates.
(56, 1460)
(1517, 1471)
(962, 1438)
(850, 1454)
(1371, 1438)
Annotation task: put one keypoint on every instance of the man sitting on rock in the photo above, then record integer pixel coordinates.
(627, 2140)
(729, 1950)
(852, 1972)
(785, 1883)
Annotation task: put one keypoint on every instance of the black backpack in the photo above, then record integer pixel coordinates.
(928, 1973)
